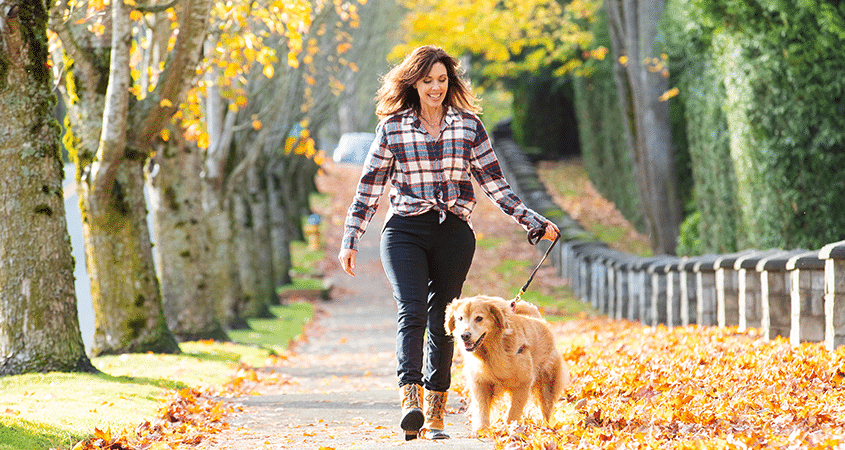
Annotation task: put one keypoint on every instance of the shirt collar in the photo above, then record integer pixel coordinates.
(411, 118)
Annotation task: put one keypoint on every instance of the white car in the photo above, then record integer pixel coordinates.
(353, 148)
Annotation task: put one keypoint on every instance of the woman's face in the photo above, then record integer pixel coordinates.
(432, 88)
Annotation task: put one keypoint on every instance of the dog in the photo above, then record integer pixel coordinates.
(508, 347)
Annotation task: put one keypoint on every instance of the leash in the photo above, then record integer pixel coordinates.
(533, 238)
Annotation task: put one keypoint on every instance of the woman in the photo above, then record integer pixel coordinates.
(427, 144)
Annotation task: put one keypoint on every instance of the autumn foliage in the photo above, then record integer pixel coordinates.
(690, 387)
(511, 36)
(187, 417)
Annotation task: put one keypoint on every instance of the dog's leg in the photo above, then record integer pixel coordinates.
(519, 397)
(482, 398)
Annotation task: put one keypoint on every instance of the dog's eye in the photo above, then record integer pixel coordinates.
(460, 318)
(478, 319)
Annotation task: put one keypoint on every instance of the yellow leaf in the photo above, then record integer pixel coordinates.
(268, 71)
(623, 60)
(165, 135)
(292, 61)
(136, 15)
(669, 94)
(165, 103)
(232, 70)
(256, 124)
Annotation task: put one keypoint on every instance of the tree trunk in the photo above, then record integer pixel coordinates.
(254, 301)
(218, 205)
(110, 147)
(262, 261)
(125, 291)
(39, 326)
(223, 268)
(183, 242)
(279, 225)
(633, 28)
(127, 301)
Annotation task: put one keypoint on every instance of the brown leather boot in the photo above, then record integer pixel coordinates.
(435, 411)
(412, 415)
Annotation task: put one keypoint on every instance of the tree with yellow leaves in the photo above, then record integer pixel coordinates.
(110, 136)
(510, 37)
(270, 78)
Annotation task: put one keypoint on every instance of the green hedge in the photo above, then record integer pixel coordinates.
(762, 87)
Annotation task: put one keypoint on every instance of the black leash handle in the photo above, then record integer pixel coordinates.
(534, 236)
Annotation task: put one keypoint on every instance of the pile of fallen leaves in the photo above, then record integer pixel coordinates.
(691, 387)
(187, 418)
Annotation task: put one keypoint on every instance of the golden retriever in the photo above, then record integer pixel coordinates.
(508, 348)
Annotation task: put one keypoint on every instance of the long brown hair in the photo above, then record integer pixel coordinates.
(397, 91)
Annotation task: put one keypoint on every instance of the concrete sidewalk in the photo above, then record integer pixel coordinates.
(344, 393)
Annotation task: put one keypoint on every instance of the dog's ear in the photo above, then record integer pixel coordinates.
(450, 317)
(497, 315)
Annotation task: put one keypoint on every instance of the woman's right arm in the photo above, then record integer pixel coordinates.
(377, 170)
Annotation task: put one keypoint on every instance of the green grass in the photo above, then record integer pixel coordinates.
(18, 434)
(488, 242)
(301, 283)
(304, 260)
(56, 410)
(275, 335)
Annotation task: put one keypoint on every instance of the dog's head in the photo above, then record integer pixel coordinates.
(472, 320)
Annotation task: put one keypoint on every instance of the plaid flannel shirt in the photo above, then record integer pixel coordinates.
(431, 174)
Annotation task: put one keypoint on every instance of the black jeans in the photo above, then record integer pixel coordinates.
(427, 263)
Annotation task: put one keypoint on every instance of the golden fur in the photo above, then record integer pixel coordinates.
(507, 348)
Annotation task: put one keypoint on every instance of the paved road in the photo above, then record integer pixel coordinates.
(344, 393)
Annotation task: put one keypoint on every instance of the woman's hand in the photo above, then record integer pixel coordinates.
(552, 232)
(347, 259)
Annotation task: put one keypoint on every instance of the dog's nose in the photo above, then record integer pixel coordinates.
(466, 336)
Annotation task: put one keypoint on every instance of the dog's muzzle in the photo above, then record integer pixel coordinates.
(469, 345)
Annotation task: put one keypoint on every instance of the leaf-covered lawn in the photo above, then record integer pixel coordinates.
(692, 387)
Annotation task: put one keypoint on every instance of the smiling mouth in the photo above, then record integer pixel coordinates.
(471, 346)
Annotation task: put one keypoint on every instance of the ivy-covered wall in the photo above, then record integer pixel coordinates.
(762, 85)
